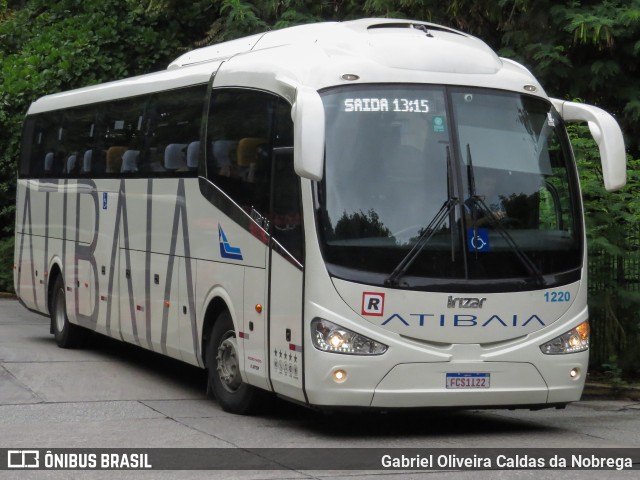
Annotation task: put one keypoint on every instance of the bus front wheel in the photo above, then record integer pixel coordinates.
(224, 377)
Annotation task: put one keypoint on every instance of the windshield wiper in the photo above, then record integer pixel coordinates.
(479, 204)
(445, 211)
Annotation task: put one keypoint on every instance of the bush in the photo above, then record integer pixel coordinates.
(48, 47)
(613, 236)
(6, 274)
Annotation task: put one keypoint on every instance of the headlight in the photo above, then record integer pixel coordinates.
(329, 337)
(576, 340)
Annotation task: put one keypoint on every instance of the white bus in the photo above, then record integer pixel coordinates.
(375, 213)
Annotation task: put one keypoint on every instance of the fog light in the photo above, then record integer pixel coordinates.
(339, 376)
(574, 373)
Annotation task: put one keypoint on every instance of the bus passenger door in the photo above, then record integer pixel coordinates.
(285, 278)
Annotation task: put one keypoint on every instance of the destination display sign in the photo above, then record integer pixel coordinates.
(383, 104)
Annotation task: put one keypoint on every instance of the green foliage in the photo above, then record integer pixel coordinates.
(6, 272)
(48, 47)
(612, 220)
(360, 224)
(584, 49)
(614, 372)
(241, 15)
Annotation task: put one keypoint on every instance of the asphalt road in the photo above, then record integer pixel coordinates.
(117, 396)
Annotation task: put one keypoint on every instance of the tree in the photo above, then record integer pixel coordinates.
(614, 256)
(586, 49)
(47, 47)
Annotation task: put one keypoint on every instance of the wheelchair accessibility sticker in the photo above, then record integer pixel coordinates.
(478, 239)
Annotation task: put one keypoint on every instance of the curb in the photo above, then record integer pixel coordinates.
(600, 391)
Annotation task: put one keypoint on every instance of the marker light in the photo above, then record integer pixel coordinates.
(329, 337)
(576, 340)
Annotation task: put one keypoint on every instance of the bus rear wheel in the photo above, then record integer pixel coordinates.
(224, 377)
(66, 334)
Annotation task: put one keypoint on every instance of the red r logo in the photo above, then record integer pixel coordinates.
(373, 304)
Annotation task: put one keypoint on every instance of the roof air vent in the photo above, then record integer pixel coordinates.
(427, 28)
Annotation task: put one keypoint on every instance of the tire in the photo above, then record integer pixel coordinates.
(67, 335)
(224, 378)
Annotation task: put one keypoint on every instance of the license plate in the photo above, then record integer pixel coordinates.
(468, 380)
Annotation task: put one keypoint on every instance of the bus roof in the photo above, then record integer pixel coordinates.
(322, 55)
(140, 85)
(371, 50)
(350, 37)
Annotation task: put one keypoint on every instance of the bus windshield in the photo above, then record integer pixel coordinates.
(440, 187)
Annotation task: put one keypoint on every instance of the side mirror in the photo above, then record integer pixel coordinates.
(308, 126)
(607, 134)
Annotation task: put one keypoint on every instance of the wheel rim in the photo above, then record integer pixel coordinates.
(227, 360)
(60, 313)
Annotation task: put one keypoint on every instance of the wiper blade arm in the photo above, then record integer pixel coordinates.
(445, 211)
(429, 231)
(478, 202)
(523, 257)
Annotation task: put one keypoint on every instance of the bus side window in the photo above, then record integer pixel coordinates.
(250, 157)
(286, 208)
(170, 130)
(239, 146)
(121, 132)
(40, 155)
(29, 163)
(76, 135)
(286, 218)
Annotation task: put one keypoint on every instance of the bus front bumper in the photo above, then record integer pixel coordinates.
(490, 384)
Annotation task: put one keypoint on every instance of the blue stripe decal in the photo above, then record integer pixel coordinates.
(226, 250)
